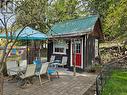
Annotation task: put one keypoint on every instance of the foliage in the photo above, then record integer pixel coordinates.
(47, 12)
(8, 25)
(64, 9)
(115, 21)
(113, 14)
(116, 85)
(33, 11)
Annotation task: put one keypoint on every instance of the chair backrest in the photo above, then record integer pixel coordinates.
(11, 64)
(52, 58)
(30, 70)
(38, 67)
(44, 68)
(13, 51)
(64, 60)
(23, 63)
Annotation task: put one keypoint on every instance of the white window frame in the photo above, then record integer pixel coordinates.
(59, 45)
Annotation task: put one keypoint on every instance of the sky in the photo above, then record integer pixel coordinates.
(7, 12)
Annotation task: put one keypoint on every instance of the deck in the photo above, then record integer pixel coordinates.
(67, 84)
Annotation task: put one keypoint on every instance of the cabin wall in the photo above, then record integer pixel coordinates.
(50, 50)
(59, 56)
(97, 31)
(90, 50)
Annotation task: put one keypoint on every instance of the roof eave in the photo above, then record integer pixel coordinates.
(70, 35)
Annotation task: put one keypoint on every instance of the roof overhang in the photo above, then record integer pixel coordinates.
(67, 35)
(81, 33)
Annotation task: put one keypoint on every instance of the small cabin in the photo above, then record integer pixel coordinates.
(81, 34)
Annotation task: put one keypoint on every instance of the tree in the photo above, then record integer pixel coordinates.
(113, 14)
(8, 25)
(33, 11)
(48, 12)
(115, 21)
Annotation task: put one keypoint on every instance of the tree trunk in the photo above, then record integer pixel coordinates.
(1, 83)
(4, 69)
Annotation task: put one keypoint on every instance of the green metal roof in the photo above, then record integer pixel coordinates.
(75, 26)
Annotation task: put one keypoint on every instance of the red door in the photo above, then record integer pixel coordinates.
(77, 47)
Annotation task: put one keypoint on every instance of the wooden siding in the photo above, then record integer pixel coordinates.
(90, 50)
(97, 31)
(68, 53)
(50, 50)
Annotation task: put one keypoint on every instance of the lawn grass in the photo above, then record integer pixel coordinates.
(117, 84)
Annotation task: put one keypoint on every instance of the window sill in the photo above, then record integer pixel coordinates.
(59, 53)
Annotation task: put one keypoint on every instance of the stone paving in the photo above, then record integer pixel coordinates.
(67, 84)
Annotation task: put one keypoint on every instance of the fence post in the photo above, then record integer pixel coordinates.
(97, 89)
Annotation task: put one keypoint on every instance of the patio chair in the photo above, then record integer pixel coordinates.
(64, 62)
(23, 63)
(53, 72)
(55, 63)
(30, 72)
(52, 58)
(38, 64)
(43, 71)
(11, 64)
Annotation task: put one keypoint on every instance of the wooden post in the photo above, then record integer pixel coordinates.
(27, 53)
(39, 49)
(74, 50)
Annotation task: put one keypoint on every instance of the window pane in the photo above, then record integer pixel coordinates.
(79, 48)
(56, 49)
(76, 48)
(61, 50)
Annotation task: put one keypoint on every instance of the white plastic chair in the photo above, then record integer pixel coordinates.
(11, 64)
(23, 63)
(52, 58)
(64, 61)
(43, 71)
(30, 71)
